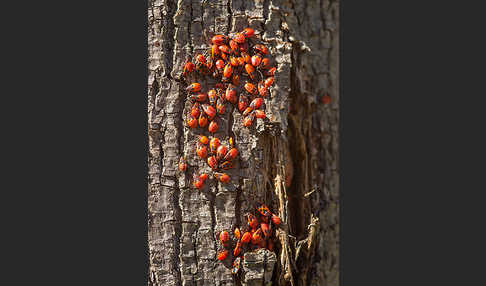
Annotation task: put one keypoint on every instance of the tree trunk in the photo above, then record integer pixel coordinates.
(288, 161)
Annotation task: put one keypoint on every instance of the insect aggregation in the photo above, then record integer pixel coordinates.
(257, 234)
(243, 73)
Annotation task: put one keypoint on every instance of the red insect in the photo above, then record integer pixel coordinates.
(230, 94)
(257, 237)
(214, 51)
(220, 108)
(260, 114)
(204, 140)
(182, 164)
(233, 46)
(326, 99)
(256, 60)
(219, 39)
(231, 155)
(191, 122)
(246, 57)
(223, 237)
(224, 56)
(271, 71)
(228, 71)
(248, 121)
(209, 110)
(212, 162)
(213, 127)
(198, 184)
(237, 249)
(246, 237)
(188, 67)
(242, 102)
(252, 221)
(222, 177)
(247, 111)
(248, 32)
(201, 64)
(194, 87)
(250, 88)
(266, 230)
(250, 70)
(222, 255)
(203, 177)
(256, 103)
(239, 38)
(226, 165)
(225, 49)
(203, 120)
(214, 144)
(200, 59)
(262, 89)
(201, 150)
(241, 61)
(221, 152)
(195, 110)
(265, 63)
(237, 233)
(234, 61)
(236, 265)
(261, 48)
(220, 65)
(269, 81)
(275, 219)
(199, 97)
(264, 210)
(213, 96)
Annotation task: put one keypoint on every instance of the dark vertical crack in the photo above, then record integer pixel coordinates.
(189, 31)
(195, 252)
(212, 199)
(177, 193)
(266, 8)
(202, 21)
(168, 39)
(323, 17)
(292, 5)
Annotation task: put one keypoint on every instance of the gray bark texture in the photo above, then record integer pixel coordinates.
(289, 161)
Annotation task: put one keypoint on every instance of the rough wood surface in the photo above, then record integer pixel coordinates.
(298, 144)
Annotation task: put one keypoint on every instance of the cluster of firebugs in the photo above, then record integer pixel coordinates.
(257, 234)
(229, 59)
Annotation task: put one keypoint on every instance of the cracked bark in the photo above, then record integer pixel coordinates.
(298, 144)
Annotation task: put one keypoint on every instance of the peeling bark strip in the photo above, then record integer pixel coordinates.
(289, 163)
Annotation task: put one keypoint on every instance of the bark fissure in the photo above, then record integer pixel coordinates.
(169, 39)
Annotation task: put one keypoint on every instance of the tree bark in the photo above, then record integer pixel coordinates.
(289, 161)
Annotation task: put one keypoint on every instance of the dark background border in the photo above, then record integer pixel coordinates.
(75, 144)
